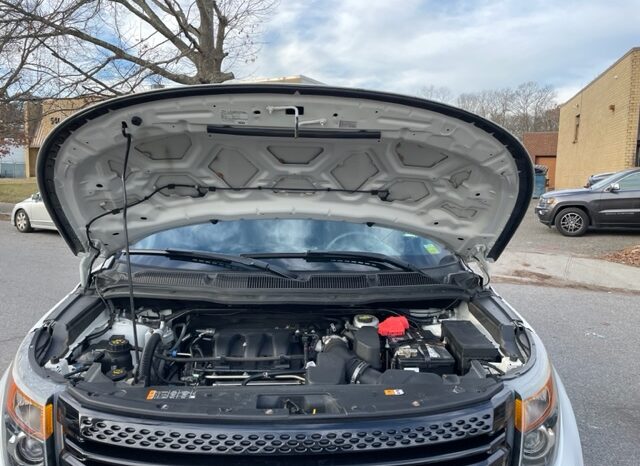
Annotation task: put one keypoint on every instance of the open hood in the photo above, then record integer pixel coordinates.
(262, 151)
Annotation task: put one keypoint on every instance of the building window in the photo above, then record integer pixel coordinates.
(576, 129)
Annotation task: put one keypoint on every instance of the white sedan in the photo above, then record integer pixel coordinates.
(31, 214)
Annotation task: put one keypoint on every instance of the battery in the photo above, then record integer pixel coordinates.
(424, 357)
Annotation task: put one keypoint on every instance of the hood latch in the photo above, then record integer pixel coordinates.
(296, 117)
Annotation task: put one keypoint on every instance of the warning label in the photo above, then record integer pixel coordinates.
(171, 394)
(235, 116)
(394, 392)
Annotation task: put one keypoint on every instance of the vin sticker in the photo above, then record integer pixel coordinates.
(171, 394)
(394, 392)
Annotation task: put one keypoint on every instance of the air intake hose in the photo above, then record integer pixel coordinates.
(358, 371)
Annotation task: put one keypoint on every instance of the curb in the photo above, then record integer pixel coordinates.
(6, 208)
(566, 271)
(559, 284)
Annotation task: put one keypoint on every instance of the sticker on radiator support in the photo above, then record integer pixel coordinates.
(171, 394)
(393, 392)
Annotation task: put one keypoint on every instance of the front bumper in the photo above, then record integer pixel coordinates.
(568, 450)
(545, 214)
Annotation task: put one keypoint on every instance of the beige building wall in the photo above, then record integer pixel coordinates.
(599, 125)
(40, 119)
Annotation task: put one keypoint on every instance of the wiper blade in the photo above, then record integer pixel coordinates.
(382, 261)
(216, 258)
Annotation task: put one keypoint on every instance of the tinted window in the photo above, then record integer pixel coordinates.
(298, 235)
(605, 182)
(630, 183)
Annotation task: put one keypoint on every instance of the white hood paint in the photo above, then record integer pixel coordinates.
(449, 174)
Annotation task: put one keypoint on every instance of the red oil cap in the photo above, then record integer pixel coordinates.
(393, 326)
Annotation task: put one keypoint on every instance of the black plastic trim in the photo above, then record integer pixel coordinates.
(290, 133)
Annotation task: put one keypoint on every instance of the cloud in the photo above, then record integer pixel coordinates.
(461, 44)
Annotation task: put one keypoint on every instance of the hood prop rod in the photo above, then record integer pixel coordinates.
(136, 347)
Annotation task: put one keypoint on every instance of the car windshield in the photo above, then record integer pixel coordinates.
(605, 182)
(269, 236)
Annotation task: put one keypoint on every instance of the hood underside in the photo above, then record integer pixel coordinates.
(223, 152)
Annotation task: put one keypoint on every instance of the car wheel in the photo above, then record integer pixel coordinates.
(572, 222)
(23, 224)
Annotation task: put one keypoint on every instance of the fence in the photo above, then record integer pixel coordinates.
(12, 170)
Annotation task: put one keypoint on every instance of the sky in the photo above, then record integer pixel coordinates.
(464, 45)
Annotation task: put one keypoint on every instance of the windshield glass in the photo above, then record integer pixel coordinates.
(299, 236)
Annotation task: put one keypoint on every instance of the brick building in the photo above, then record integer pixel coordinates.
(599, 126)
(542, 147)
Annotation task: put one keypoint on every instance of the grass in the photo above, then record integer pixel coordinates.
(16, 190)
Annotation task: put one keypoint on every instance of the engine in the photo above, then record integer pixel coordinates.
(207, 348)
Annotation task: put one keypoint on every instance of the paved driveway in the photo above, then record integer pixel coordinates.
(533, 236)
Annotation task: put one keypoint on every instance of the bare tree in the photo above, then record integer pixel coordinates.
(112, 47)
(529, 107)
(437, 93)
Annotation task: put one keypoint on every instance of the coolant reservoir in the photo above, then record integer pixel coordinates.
(365, 320)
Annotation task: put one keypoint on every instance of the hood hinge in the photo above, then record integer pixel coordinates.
(86, 261)
(479, 254)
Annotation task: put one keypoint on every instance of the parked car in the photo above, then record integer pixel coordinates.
(297, 289)
(593, 179)
(31, 214)
(613, 202)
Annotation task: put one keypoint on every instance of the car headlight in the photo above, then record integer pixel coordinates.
(537, 419)
(27, 413)
(547, 201)
(28, 426)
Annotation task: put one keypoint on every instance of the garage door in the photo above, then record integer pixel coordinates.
(548, 161)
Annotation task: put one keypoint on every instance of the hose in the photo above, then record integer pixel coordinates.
(271, 374)
(146, 360)
(358, 371)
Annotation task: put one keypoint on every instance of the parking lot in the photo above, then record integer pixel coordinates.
(533, 236)
(592, 336)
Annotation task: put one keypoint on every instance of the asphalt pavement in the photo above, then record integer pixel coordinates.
(533, 236)
(592, 336)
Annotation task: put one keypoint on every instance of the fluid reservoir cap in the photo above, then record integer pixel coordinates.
(118, 343)
(365, 320)
(117, 373)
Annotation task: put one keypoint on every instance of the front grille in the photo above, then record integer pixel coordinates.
(478, 436)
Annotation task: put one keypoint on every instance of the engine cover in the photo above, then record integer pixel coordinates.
(275, 347)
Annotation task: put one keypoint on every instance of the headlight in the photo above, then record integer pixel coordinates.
(547, 201)
(28, 427)
(537, 419)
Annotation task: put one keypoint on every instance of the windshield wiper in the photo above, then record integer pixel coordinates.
(381, 261)
(214, 258)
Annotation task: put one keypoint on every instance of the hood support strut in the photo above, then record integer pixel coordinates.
(136, 351)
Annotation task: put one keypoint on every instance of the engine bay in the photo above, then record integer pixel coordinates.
(197, 347)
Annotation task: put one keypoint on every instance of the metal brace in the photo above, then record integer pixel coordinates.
(296, 117)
